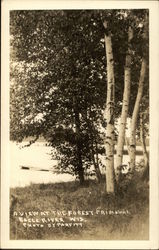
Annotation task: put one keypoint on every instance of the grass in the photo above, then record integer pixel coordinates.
(133, 200)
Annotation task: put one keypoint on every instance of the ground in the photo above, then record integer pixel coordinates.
(88, 213)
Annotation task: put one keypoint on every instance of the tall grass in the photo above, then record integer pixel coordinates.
(133, 198)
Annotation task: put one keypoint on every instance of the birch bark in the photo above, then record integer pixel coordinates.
(138, 100)
(109, 113)
(135, 116)
(125, 106)
(145, 153)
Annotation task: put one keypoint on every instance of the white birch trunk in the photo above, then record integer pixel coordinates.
(137, 102)
(135, 116)
(125, 106)
(109, 115)
(143, 142)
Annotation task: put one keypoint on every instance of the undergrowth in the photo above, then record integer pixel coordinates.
(126, 214)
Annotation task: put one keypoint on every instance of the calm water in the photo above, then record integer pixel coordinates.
(36, 157)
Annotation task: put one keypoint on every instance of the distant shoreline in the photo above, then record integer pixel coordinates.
(41, 139)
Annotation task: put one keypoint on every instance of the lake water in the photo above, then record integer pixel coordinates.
(37, 157)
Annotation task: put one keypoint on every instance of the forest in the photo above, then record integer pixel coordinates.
(80, 80)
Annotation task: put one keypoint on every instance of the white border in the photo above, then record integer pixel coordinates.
(153, 6)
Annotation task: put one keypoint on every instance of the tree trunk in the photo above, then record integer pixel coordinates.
(97, 159)
(125, 106)
(138, 100)
(109, 114)
(135, 116)
(97, 170)
(96, 164)
(80, 169)
(127, 145)
(145, 153)
(93, 148)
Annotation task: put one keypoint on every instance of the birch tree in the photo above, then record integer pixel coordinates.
(138, 99)
(125, 106)
(143, 132)
(142, 139)
(56, 68)
(109, 113)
